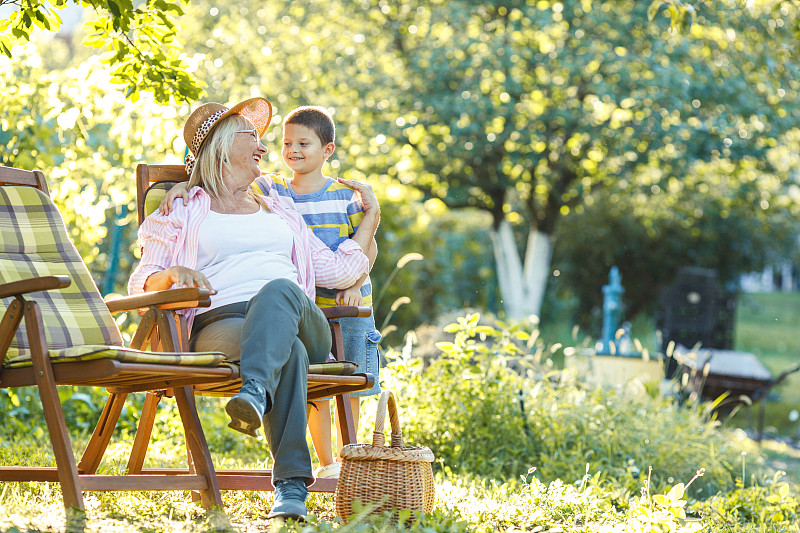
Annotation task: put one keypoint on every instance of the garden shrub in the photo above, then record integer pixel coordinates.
(493, 406)
(494, 410)
(762, 507)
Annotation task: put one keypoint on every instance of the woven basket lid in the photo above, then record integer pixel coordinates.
(369, 452)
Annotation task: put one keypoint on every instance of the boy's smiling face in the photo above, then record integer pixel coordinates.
(302, 150)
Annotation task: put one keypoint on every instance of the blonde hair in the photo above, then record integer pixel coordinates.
(212, 161)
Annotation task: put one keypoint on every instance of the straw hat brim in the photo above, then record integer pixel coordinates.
(258, 110)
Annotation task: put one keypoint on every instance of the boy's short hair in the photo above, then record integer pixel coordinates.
(315, 117)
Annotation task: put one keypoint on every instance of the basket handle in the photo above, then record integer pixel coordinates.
(378, 438)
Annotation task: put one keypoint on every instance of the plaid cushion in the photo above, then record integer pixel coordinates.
(154, 194)
(34, 242)
(127, 355)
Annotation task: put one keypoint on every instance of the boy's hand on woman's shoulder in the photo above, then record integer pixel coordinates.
(179, 190)
(369, 202)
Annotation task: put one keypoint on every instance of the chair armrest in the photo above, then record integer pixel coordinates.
(346, 311)
(169, 299)
(25, 286)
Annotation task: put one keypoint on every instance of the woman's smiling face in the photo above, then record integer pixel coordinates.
(246, 153)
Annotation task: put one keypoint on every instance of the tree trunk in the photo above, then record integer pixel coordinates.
(521, 286)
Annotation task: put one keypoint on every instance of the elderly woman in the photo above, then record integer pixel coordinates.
(261, 263)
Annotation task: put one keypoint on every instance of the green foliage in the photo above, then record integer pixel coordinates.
(79, 128)
(659, 223)
(538, 113)
(539, 504)
(534, 107)
(628, 120)
(682, 14)
(23, 414)
(456, 270)
(503, 409)
(475, 440)
(772, 506)
(660, 512)
(481, 427)
(765, 326)
(139, 42)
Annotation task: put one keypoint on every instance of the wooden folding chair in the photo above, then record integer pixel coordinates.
(56, 330)
(325, 380)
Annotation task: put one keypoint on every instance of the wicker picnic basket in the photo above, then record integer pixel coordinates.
(392, 477)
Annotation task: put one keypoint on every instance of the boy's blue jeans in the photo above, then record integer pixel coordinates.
(274, 336)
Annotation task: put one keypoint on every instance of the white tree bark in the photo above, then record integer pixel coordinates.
(522, 286)
(787, 284)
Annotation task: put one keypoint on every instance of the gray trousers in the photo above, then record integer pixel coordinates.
(274, 336)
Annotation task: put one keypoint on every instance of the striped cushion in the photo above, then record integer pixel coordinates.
(338, 368)
(127, 355)
(34, 242)
(154, 194)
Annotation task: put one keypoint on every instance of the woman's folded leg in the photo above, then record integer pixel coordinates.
(282, 332)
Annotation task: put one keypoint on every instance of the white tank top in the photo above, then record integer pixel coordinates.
(239, 254)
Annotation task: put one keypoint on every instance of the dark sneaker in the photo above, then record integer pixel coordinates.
(247, 408)
(290, 499)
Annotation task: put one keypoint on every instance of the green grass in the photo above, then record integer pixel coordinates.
(768, 325)
(610, 459)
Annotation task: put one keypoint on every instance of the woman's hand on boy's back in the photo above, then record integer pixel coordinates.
(351, 296)
(179, 190)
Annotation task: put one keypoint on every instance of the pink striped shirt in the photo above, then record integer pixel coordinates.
(171, 240)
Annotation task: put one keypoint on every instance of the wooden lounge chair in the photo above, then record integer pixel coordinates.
(56, 330)
(326, 380)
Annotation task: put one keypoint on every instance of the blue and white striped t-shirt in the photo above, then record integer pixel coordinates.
(333, 213)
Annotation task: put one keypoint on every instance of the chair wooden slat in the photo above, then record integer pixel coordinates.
(18, 176)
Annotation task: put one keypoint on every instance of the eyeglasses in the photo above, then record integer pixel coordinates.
(253, 132)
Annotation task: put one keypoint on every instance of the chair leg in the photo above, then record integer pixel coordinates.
(143, 432)
(343, 407)
(155, 341)
(168, 332)
(196, 495)
(198, 447)
(183, 329)
(346, 423)
(173, 333)
(53, 414)
(102, 434)
(145, 330)
(9, 324)
(337, 346)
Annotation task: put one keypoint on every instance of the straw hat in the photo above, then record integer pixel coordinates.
(204, 118)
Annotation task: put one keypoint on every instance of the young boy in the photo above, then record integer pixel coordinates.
(333, 212)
